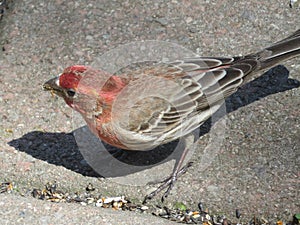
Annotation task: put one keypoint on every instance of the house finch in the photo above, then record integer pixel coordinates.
(152, 105)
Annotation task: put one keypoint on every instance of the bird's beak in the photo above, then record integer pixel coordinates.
(52, 85)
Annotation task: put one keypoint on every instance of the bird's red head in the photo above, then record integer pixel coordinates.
(66, 85)
(79, 83)
(71, 76)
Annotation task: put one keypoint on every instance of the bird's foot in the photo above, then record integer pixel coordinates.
(167, 183)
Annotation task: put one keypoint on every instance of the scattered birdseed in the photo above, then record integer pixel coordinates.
(180, 213)
(294, 3)
(6, 187)
(3, 7)
(51, 193)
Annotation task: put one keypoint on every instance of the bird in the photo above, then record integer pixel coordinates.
(152, 105)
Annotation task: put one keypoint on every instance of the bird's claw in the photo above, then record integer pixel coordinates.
(169, 182)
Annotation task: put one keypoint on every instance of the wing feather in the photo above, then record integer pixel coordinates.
(179, 96)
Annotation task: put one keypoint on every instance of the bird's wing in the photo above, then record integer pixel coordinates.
(218, 77)
(167, 101)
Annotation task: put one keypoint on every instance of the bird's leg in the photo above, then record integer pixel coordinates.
(180, 172)
(170, 181)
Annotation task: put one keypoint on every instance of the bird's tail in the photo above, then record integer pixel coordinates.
(282, 50)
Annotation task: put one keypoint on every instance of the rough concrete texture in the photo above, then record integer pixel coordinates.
(256, 168)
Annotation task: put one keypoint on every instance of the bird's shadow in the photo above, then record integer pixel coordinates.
(62, 148)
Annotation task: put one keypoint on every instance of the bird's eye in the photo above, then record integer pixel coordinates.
(71, 92)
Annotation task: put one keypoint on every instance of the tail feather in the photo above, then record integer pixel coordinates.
(282, 50)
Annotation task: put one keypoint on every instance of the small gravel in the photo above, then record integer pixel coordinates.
(253, 167)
